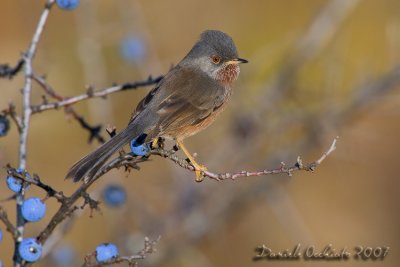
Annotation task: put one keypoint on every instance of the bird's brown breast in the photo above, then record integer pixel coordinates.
(202, 123)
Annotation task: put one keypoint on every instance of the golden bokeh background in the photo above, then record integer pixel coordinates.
(317, 69)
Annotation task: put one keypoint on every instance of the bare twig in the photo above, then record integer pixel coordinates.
(149, 248)
(90, 94)
(10, 111)
(28, 57)
(298, 166)
(327, 153)
(94, 131)
(27, 179)
(61, 231)
(9, 72)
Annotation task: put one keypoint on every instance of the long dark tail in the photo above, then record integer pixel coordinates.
(88, 166)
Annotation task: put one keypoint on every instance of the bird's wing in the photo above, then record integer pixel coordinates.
(183, 97)
(189, 97)
(143, 104)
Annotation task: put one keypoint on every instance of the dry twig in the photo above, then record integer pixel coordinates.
(149, 248)
(28, 57)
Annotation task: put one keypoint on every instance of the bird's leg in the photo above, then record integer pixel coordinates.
(154, 143)
(157, 143)
(197, 167)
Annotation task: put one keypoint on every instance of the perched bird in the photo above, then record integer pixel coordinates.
(184, 102)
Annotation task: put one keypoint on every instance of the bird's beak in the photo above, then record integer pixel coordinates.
(237, 61)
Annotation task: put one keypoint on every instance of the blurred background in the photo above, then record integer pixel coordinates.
(318, 69)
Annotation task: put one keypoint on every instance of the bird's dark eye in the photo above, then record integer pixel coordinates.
(216, 59)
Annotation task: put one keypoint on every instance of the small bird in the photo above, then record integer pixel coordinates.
(184, 102)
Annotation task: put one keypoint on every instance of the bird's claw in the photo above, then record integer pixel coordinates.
(199, 169)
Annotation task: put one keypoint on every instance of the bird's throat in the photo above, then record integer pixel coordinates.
(228, 74)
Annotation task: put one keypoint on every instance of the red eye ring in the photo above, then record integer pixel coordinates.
(216, 59)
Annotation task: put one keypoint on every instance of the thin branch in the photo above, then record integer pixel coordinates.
(298, 166)
(94, 131)
(27, 179)
(46, 87)
(61, 231)
(10, 111)
(326, 154)
(28, 57)
(149, 248)
(91, 94)
(9, 72)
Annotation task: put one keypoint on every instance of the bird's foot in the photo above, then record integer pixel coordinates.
(157, 143)
(199, 169)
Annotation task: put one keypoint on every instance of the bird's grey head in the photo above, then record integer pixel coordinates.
(216, 55)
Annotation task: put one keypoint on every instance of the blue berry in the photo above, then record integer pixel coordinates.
(4, 125)
(14, 184)
(139, 149)
(33, 209)
(133, 49)
(1, 235)
(106, 251)
(1, 264)
(22, 171)
(68, 4)
(30, 250)
(64, 256)
(114, 195)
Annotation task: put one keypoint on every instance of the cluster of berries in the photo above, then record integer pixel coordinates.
(34, 209)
